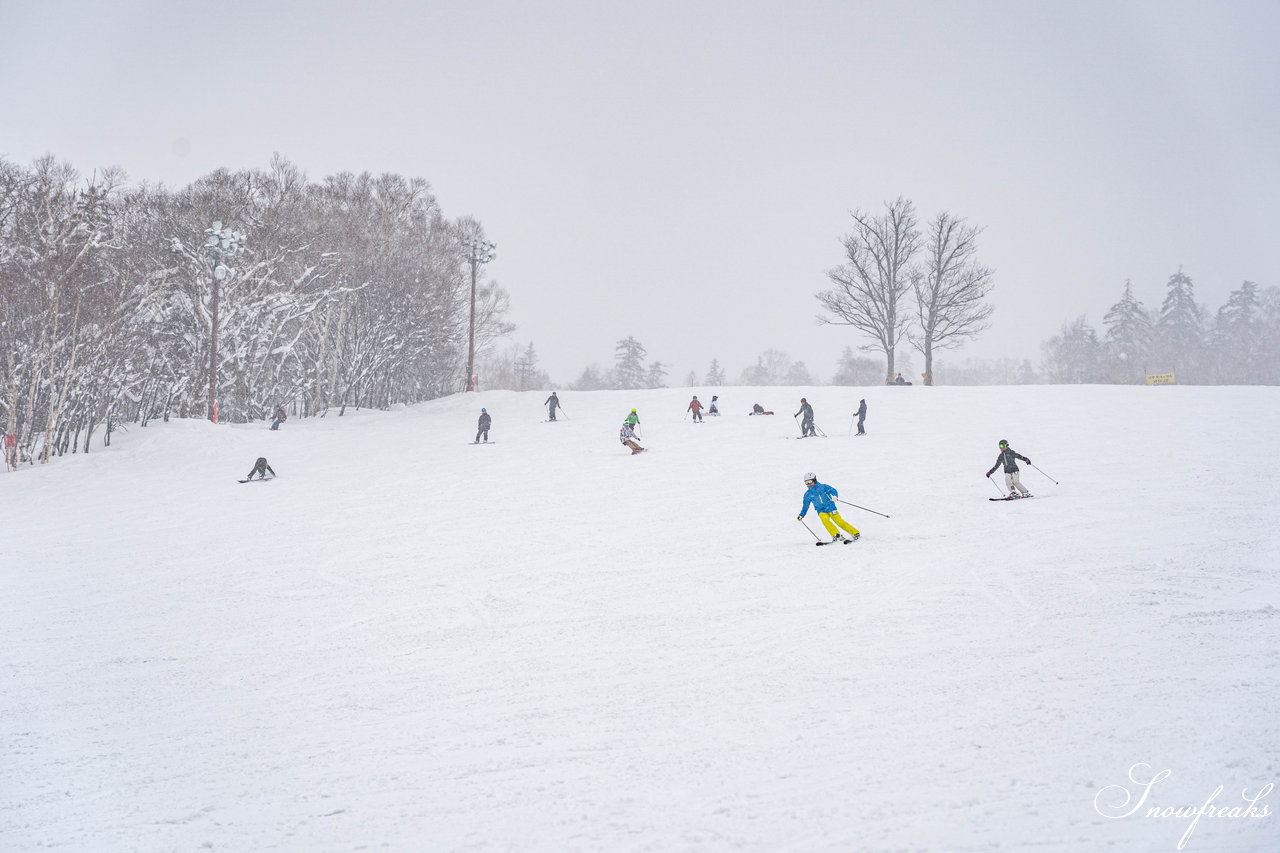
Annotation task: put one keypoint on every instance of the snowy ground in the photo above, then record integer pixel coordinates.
(409, 643)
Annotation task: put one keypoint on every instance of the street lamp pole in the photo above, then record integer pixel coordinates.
(479, 252)
(221, 243)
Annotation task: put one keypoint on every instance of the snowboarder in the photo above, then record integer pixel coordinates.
(1012, 481)
(758, 409)
(260, 468)
(280, 417)
(822, 497)
(806, 423)
(552, 403)
(696, 408)
(483, 426)
(627, 436)
(862, 416)
(714, 408)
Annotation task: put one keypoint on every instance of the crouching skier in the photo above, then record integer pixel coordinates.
(822, 497)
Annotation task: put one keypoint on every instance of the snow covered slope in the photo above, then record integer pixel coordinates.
(407, 642)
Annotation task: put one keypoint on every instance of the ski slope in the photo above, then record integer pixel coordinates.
(406, 642)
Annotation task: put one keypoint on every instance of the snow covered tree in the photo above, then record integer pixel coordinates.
(592, 379)
(629, 370)
(951, 288)
(1178, 340)
(1239, 348)
(857, 370)
(1074, 356)
(715, 374)
(797, 374)
(770, 369)
(654, 376)
(870, 286)
(691, 380)
(1127, 344)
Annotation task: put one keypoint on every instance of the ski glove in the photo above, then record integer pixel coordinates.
(1026, 460)
(988, 473)
(799, 518)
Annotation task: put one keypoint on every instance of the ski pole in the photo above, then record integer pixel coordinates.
(997, 488)
(863, 508)
(806, 527)
(566, 414)
(1055, 482)
(851, 420)
(793, 417)
(686, 415)
(819, 429)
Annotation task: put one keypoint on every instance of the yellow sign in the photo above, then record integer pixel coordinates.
(1161, 379)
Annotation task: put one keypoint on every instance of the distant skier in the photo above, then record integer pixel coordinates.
(714, 408)
(758, 409)
(806, 423)
(261, 468)
(483, 426)
(627, 435)
(552, 403)
(822, 496)
(280, 417)
(1012, 481)
(862, 416)
(696, 408)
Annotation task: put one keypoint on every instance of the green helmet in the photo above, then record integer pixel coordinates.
(1004, 443)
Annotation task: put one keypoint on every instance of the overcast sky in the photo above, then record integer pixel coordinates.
(683, 172)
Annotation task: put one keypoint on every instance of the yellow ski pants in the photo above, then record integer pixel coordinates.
(831, 519)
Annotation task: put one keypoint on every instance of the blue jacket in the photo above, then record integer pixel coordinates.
(820, 495)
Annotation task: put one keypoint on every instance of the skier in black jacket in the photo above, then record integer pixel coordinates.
(1011, 479)
(862, 416)
(483, 425)
(552, 403)
(806, 423)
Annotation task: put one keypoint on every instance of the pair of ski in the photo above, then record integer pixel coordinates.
(841, 539)
(1012, 498)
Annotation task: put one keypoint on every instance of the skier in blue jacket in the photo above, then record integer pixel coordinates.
(822, 496)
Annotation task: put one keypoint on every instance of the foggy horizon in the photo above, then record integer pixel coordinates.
(683, 176)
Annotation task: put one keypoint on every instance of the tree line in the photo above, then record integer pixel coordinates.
(1237, 345)
(349, 291)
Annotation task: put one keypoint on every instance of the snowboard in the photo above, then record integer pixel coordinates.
(262, 480)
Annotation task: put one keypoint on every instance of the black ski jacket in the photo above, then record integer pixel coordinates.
(806, 410)
(485, 420)
(552, 401)
(1006, 457)
(862, 410)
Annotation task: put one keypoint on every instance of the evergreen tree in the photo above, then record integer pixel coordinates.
(1178, 343)
(691, 380)
(1128, 339)
(654, 375)
(629, 370)
(715, 374)
(1239, 342)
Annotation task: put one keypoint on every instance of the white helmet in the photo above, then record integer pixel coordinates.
(810, 476)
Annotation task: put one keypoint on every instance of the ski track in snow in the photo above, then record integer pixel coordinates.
(409, 643)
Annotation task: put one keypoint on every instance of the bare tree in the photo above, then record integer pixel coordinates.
(950, 290)
(870, 286)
